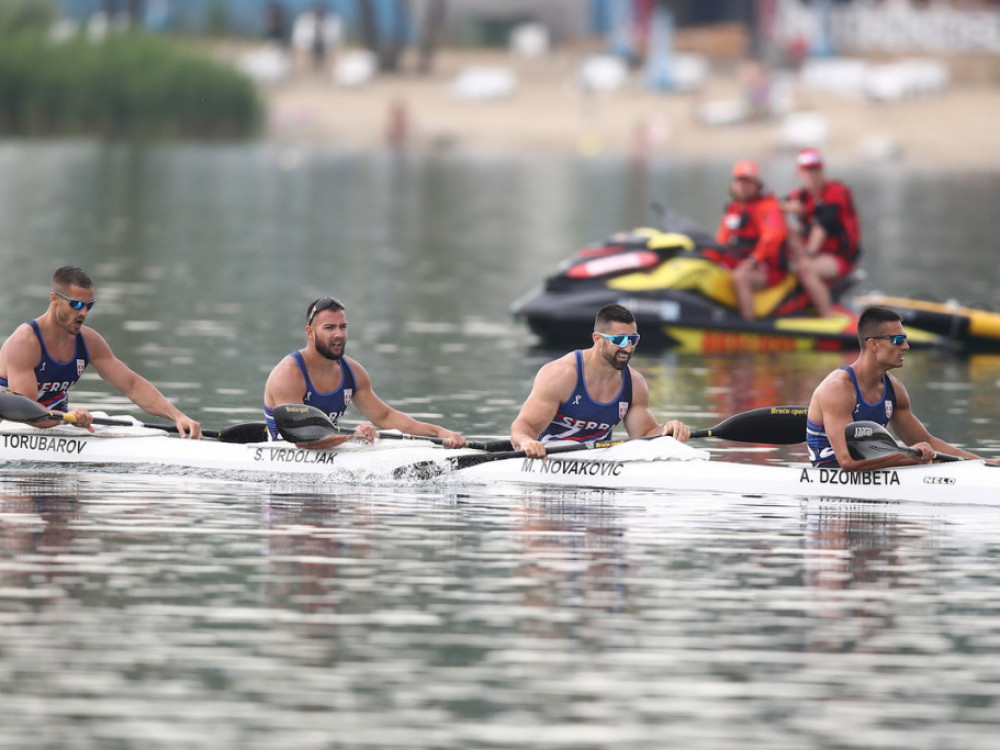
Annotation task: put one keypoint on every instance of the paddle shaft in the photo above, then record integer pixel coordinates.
(780, 425)
(432, 468)
(246, 432)
(71, 419)
(945, 457)
(19, 408)
(483, 445)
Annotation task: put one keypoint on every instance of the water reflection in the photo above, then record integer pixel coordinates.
(573, 555)
(315, 548)
(858, 558)
(39, 541)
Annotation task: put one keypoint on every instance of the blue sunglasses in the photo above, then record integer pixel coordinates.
(896, 339)
(621, 339)
(75, 303)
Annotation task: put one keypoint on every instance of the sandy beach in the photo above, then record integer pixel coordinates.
(548, 111)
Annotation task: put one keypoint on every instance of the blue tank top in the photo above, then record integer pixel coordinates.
(820, 450)
(581, 419)
(55, 378)
(334, 403)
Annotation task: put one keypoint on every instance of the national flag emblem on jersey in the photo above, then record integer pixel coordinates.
(622, 409)
(81, 365)
(888, 409)
(348, 392)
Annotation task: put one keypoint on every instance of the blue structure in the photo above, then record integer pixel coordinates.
(657, 74)
(242, 17)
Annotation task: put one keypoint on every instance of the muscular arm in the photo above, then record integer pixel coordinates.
(912, 431)
(18, 358)
(139, 391)
(383, 416)
(284, 385)
(640, 421)
(553, 384)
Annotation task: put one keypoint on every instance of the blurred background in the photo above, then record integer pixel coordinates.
(867, 80)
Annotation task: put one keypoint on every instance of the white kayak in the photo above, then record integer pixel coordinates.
(660, 464)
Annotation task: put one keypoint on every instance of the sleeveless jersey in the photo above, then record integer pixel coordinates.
(55, 378)
(334, 403)
(820, 450)
(582, 419)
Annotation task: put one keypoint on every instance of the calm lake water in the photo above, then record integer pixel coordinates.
(145, 611)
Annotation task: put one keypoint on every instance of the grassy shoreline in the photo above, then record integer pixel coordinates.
(128, 85)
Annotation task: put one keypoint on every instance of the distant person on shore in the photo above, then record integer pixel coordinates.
(754, 233)
(276, 24)
(828, 242)
(43, 358)
(317, 32)
(322, 375)
(864, 390)
(583, 395)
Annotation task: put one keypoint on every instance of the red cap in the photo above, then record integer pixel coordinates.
(746, 168)
(809, 158)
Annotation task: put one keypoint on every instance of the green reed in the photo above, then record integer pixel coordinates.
(130, 84)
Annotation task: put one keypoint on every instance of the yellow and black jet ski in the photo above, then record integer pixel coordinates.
(682, 297)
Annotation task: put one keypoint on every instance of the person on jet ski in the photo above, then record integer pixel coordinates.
(828, 242)
(754, 231)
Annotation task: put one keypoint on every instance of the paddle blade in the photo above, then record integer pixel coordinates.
(867, 440)
(300, 423)
(775, 425)
(246, 432)
(18, 408)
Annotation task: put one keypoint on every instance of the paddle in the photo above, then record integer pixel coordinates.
(432, 468)
(779, 425)
(18, 408)
(301, 423)
(482, 445)
(774, 425)
(867, 440)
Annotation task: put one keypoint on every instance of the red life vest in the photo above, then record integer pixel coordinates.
(833, 209)
(755, 228)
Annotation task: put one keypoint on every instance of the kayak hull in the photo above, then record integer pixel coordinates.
(660, 466)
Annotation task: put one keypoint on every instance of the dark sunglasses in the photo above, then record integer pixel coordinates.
(323, 304)
(621, 339)
(895, 339)
(75, 303)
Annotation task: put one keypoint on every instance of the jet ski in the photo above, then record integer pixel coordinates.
(682, 297)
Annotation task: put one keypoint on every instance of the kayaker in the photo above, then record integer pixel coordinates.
(43, 358)
(584, 394)
(754, 231)
(864, 390)
(322, 375)
(828, 242)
